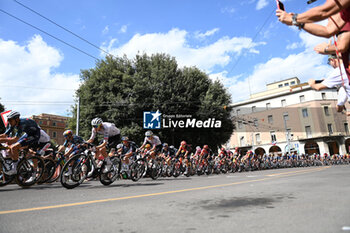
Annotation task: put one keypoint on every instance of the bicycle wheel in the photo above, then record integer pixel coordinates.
(29, 171)
(107, 178)
(56, 175)
(5, 179)
(137, 169)
(75, 171)
(49, 171)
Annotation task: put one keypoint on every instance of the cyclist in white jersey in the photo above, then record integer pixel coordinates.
(111, 136)
(154, 141)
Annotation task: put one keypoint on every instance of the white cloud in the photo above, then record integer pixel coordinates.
(175, 43)
(123, 29)
(294, 45)
(229, 10)
(304, 65)
(206, 34)
(105, 30)
(261, 4)
(31, 65)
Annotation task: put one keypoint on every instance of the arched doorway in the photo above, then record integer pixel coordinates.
(333, 147)
(275, 150)
(259, 151)
(311, 147)
(347, 145)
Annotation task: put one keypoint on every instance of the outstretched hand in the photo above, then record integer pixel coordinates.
(320, 48)
(284, 17)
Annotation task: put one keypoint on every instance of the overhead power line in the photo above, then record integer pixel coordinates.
(253, 40)
(40, 88)
(56, 38)
(60, 26)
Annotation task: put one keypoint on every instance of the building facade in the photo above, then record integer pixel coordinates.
(53, 125)
(290, 117)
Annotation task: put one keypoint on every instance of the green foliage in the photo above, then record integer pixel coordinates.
(119, 90)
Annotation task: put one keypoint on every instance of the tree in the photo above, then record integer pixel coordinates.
(2, 127)
(119, 90)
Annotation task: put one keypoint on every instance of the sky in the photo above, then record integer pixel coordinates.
(241, 43)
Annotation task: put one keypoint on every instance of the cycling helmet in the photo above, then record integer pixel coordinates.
(171, 147)
(119, 146)
(67, 132)
(125, 138)
(148, 146)
(206, 147)
(222, 149)
(149, 133)
(96, 121)
(165, 144)
(183, 143)
(198, 149)
(12, 115)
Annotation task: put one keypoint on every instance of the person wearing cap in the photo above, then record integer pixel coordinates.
(334, 80)
(28, 134)
(72, 142)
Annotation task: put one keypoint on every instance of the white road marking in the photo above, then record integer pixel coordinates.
(346, 228)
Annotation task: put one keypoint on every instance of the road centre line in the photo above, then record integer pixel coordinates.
(158, 194)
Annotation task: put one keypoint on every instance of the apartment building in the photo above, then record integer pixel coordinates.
(53, 125)
(290, 116)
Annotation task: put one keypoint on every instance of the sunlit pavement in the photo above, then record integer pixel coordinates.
(315, 199)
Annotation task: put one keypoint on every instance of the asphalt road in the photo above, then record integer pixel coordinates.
(286, 200)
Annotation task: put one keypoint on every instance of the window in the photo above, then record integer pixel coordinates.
(283, 103)
(323, 95)
(285, 116)
(326, 110)
(280, 85)
(270, 119)
(346, 127)
(302, 98)
(256, 122)
(240, 125)
(257, 138)
(54, 134)
(286, 84)
(254, 109)
(289, 133)
(242, 141)
(40, 122)
(273, 136)
(53, 123)
(292, 82)
(305, 113)
(330, 128)
(308, 131)
(238, 111)
(268, 106)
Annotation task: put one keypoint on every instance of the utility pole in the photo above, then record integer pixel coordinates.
(287, 133)
(78, 116)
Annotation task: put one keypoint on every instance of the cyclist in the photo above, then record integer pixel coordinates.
(168, 152)
(127, 150)
(206, 154)
(30, 137)
(111, 137)
(72, 142)
(155, 143)
(184, 152)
